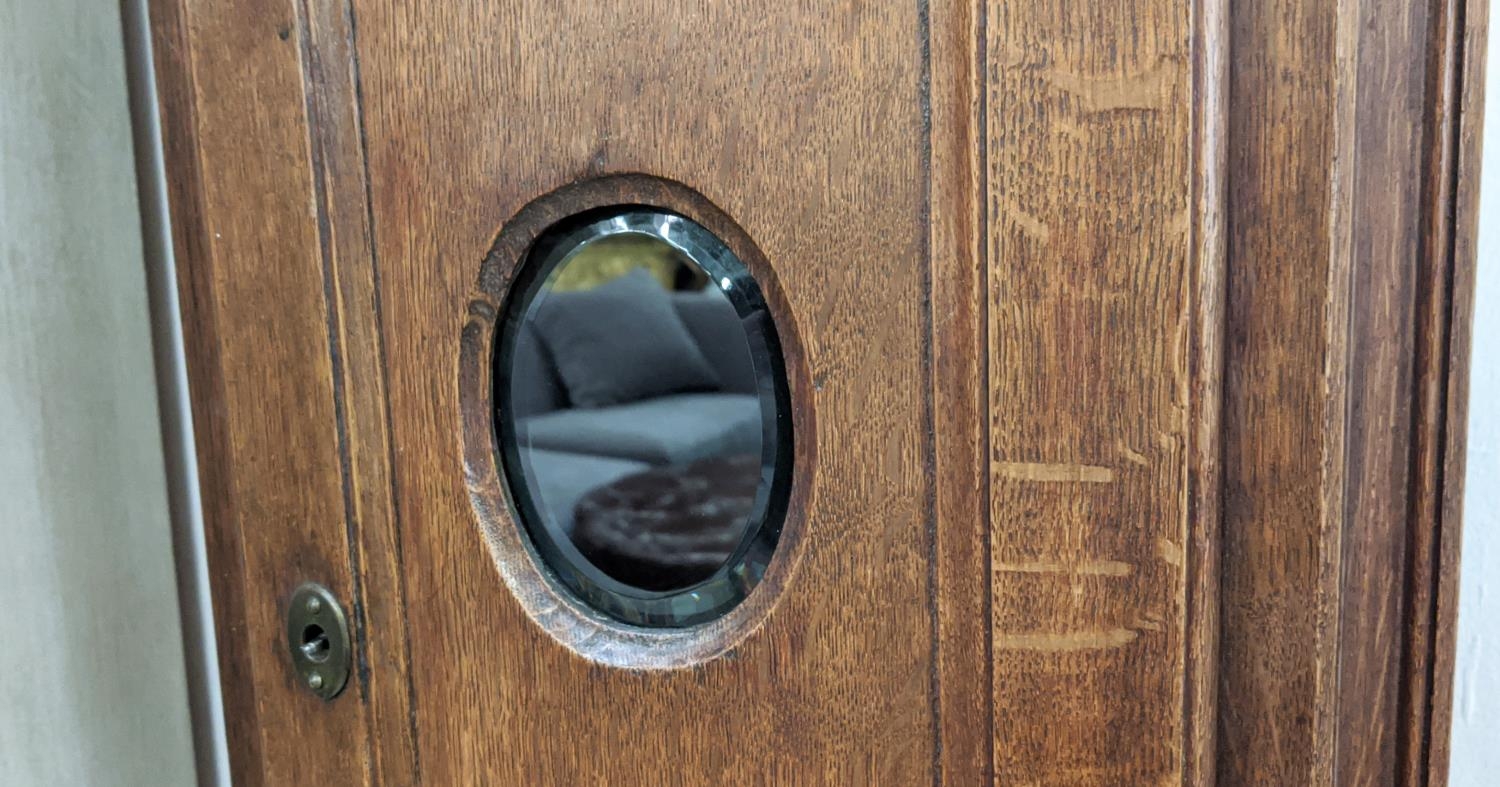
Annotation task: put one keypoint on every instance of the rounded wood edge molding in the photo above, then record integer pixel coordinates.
(566, 619)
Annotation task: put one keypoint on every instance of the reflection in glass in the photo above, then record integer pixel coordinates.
(642, 408)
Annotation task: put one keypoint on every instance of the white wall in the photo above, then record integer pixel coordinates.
(1476, 702)
(92, 678)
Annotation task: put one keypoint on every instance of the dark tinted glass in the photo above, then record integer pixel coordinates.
(643, 414)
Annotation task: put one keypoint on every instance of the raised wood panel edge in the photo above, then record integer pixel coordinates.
(960, 375)
(179, 130)
(373, 527)
(261, 316)
(1394, 304)
(1404, 68)
(1338, 174)
(1469, 43)
(1204, 471)
(1436, 319)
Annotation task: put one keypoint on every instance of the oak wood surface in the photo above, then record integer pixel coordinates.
(1467, 37)
(1134, 335)
(1093, 326)
(960, 359)
(341, 191)
(1273, 578)
(816, 151)
(262, 380)
(1383, 226)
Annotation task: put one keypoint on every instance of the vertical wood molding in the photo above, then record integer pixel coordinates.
(1383, 209)
(1203, 472)
(960, 390)
(266, 396)
(189, 223)
(1434, 309)
(1104, 333)
(1333, 608)
(1469, 24)
(1401, 292)
(373, 526)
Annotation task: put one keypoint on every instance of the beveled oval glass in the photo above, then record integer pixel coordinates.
(643, 416)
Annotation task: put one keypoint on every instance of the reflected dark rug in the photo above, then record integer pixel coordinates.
(669, 527)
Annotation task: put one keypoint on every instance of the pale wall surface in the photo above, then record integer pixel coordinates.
(1476, 701)
(92, 680)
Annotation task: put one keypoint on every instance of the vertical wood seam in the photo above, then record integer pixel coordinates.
(1338, 332)
(397, 521)
(1468, 66)
(351, 274)
(311, 72)
(958, 378)
(1205, 461)
(982, 254)
(929, 439)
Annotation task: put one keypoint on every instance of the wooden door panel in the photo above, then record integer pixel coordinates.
(1095, 348)
(1125, 344)
(817, 153)
(1276, 574)
(266, 397)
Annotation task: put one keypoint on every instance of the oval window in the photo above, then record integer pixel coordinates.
(643, 416)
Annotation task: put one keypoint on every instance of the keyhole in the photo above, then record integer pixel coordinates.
(315, 643)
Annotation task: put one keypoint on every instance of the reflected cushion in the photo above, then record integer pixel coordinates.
(621, 342)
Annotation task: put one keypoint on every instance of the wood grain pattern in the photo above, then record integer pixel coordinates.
(1334, 437)
(1134, 335)
(1384, 219)
(960, 355)
(1441, 319)
(1277, 652)
(341, 193)
(471, 112)
(1096, 365)
(189, 226)
(252, 279)
(1431, 354)
(1465, 64)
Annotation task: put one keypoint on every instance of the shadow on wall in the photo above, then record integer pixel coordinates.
(1476, 692)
